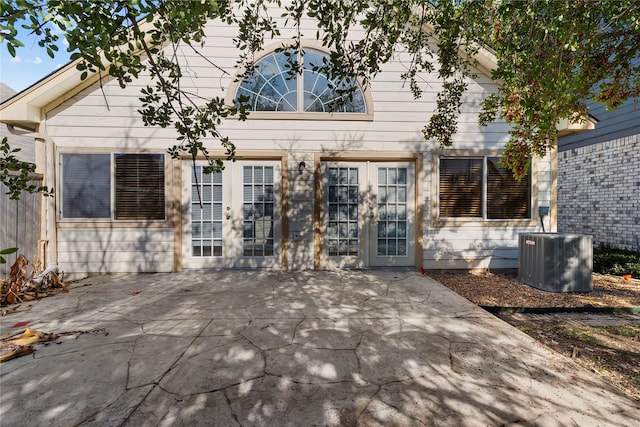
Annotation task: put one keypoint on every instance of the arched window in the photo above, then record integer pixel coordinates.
(275, 86)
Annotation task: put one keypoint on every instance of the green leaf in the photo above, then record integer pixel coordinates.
(6, 252)
(552, 55)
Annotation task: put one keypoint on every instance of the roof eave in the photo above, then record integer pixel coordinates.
(25, 108)
(566, 127)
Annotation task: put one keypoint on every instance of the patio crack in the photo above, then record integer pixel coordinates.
(452, 361)
(382, 401)
(231, 411)
(295, 329)
(102, 409)
(222, 389)
(164, 374)
(355, 352)
(366, 407)
(81, 350)
(427, 298)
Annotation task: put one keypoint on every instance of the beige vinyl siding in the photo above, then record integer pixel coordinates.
(301, 212)
(115, 250)
(545, 180)
(487, 259)
(469, 248)
(24, 143)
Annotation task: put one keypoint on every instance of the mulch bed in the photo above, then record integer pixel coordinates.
(504, 290)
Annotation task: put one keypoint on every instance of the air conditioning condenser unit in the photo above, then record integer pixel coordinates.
(556, 262)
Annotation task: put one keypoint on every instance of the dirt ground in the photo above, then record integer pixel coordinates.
(504, 290)
(606, 344)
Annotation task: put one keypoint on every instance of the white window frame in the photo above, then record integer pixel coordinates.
(481, 219)
(112, 195)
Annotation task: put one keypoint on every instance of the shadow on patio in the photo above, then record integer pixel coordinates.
(358, 347)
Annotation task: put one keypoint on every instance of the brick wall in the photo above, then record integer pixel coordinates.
(599, 192)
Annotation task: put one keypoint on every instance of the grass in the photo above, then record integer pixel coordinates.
(612, 352)
(624, 331)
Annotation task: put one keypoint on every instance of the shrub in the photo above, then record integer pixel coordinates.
(616, 261)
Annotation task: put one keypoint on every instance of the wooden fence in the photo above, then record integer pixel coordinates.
(19, 227)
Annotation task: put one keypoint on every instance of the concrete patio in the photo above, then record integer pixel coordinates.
(260, 348)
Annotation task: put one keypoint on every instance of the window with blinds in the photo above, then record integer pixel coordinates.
(481, 188)
(507, 197)
(139, 181)
(461, 188)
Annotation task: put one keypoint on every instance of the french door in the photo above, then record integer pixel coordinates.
(232, 218)
(368, 214)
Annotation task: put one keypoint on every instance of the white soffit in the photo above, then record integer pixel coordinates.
(566, 127)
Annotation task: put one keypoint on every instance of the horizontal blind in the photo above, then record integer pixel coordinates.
(507, 197)
(140, 186)
(460, 188)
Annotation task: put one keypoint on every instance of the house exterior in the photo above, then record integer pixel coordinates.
(357, 188)
(599, 178)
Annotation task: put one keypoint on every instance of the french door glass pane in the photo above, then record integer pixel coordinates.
(258, 210)
(343, 204)
(392, 212)
(206, 213)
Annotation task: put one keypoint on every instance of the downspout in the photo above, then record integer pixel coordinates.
(45, 164)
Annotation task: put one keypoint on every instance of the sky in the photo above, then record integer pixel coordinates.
(30, 64)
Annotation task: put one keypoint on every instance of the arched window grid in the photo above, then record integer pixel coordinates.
(306, 93)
